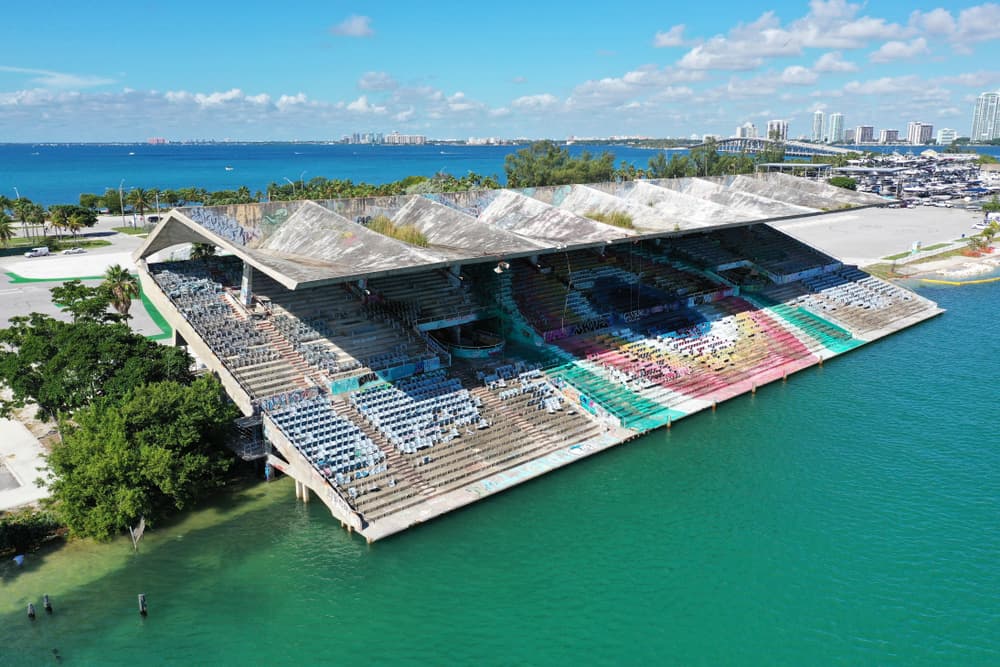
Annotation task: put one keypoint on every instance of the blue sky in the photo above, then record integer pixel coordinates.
(126, 71)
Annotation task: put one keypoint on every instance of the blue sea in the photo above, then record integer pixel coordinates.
(55, 174)
(58, 174)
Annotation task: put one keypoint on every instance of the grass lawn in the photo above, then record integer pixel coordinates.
(134, 231)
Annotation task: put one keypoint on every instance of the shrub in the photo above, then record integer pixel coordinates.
(615, 218)
(405, 233)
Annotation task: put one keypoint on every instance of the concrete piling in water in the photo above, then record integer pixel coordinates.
(46, 604)
(142, 604)
(31, 611)
(305, 493)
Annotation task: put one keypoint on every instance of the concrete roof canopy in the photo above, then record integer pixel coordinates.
(582, 199)
(748, 203)
(515, 212)
(690, 211)
(458, 235)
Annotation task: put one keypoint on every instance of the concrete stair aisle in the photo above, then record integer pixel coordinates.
(288, 354)
(395, 460)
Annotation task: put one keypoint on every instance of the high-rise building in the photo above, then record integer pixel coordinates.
(835, 132)
(817, 126)
(746, 131)
(946, 135)
(919, 134)
(888, 136)
(848, 136)
(864, 134)
(777, 130)
(986, 118)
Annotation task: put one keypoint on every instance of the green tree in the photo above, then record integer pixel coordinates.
(545, 163)
(6, 229)
(74, 223)
(121, 286)
(84, 303)
(63, 366)
(57, 218)
(113, 201)
(845, 182)
(157, 451)
(90, 200)
(202, 250)
(993, 205)
(139, 199)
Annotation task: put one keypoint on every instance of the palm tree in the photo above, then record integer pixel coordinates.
(74, 224)
(122, 286)
(139, 198)
(57, 218)
(202, 251)
(6, 229)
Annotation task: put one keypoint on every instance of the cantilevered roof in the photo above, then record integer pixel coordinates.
(742, 201)
(305, 244)
(515, 212)
(583, 200)
(457, 235)
(690, 211)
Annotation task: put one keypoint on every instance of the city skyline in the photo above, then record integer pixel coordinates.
(446, 74)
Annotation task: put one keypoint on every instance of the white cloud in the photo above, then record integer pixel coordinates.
(980, 23)
(797, 75)
(535, 102)
(831, 24)
(895, 50)
(377, 81)
(833, 62)
(354, 26)
(62, 80)
(935, 22)
(290, 101)
(672, 37)
(405, 115)
(361, 105)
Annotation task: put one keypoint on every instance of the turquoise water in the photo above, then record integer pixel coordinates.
(57, 174)
(849, 516)
(54, 174)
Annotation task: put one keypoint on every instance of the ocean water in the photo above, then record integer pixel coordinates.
(848, 516)
(56, 174)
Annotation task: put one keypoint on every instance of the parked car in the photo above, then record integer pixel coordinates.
(74, 251)
(37, 252)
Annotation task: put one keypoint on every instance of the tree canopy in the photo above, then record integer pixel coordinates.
(63, 366)
(156, 451)
(545, 163)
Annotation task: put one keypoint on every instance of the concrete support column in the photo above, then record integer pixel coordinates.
(246, 286)
(305, 493)
(298, 490)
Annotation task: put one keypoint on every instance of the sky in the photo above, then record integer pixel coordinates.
(310, 70)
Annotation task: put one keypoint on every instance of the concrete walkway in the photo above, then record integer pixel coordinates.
(21, 457)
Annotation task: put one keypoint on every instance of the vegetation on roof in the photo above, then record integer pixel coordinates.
(405, 233)
(615, 218)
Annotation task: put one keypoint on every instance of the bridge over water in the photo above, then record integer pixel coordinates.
(791, 148)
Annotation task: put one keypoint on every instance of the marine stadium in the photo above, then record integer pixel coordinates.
(399, 381)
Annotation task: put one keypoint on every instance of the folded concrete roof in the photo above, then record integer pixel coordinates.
(303, 244)
(583, 199)
(457, 235)
(742, 201)
(688, 211)
(515, 212)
